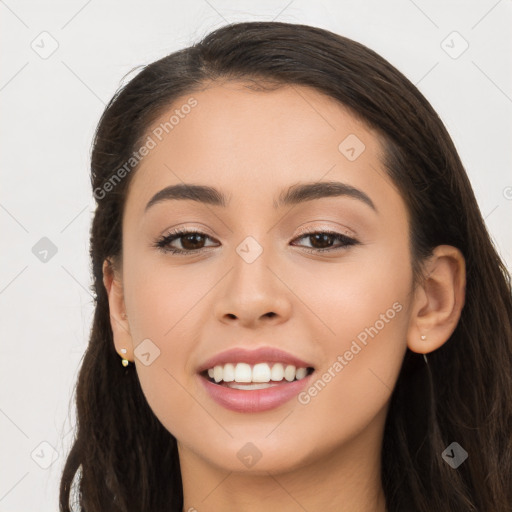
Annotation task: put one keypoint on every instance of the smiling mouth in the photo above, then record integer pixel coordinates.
(249, 383)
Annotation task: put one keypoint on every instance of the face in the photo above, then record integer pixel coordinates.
(325, 278)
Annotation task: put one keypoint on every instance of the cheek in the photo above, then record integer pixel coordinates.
(361, 366)
(363, 307)
(364, 360)
(163, 306)
(161, 317)
(162, 301)
(346, 298)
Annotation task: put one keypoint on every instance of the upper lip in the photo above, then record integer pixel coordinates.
(259, 355)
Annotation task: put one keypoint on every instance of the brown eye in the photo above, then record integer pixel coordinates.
(190, 241)
(321, 241)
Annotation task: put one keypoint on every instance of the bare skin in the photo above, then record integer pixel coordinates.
(322, 454)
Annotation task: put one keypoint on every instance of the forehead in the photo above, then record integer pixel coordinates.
(252, 143)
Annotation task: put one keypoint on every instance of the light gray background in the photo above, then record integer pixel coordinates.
(50, 107)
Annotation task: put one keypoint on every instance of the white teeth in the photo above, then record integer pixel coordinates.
(277, 372)
(228, 373)
(249, 387)
(289, 373)
(259, 373)
(242, 372)
(301, 373)
(217, 373)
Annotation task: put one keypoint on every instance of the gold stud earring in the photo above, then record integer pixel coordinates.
(124, 361)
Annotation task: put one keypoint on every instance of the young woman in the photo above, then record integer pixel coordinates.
(298, 306)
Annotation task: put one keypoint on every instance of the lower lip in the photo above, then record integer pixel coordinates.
(256, 400)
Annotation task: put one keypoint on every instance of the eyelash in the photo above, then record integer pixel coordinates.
(164, 242)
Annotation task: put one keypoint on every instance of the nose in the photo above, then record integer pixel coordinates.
(253, 294)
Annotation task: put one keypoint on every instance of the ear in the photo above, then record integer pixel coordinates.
(438, 300)
(118, 319)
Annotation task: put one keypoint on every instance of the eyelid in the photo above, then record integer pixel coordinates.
(302, 229)
(188, 227)
(343, 230)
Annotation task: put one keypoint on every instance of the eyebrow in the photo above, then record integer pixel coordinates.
(295, 194)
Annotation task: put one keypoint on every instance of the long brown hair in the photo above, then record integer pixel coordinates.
(123, 458)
